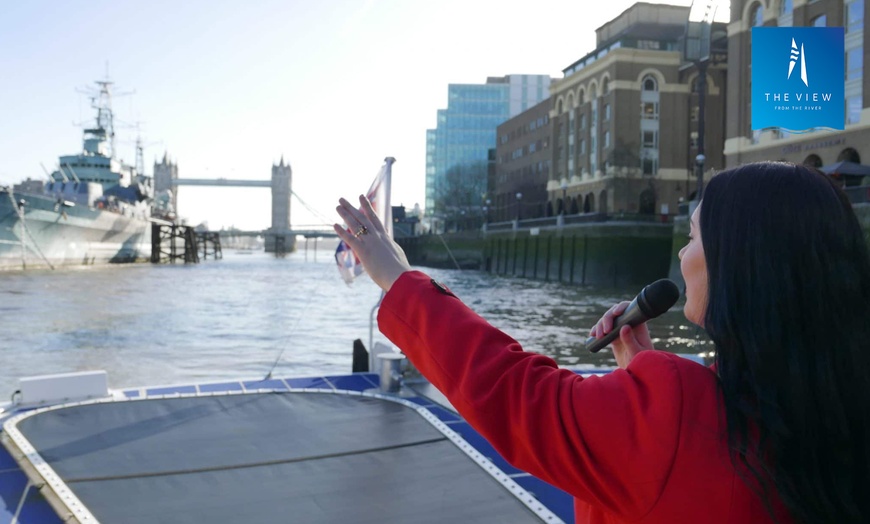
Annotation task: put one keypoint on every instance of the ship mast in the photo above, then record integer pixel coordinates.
(140, 156)
(105, 129)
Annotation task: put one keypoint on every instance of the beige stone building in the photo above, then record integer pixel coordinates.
(816, 148)
(625, 119)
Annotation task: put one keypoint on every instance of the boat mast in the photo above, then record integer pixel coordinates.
(105, 119)
(140, 156)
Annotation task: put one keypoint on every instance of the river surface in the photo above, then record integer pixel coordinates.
(231, 319)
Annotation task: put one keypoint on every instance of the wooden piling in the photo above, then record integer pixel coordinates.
(181, 240)
(209, 243)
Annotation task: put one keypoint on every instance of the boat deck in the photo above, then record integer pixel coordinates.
(319, 449)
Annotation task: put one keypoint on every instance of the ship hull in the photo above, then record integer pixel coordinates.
(67, 236)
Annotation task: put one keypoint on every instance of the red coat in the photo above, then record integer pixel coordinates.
(645, 444)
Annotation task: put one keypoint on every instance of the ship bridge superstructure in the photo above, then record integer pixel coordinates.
(97, 162)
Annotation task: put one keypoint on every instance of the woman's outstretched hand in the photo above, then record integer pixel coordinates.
(382, 258)
(631, 340)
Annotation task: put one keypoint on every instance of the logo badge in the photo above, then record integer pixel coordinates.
(795, 54)
(810, 92)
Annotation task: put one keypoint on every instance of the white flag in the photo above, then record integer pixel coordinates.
(349, 265)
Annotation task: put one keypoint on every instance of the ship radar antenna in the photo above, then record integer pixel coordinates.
(104, 129)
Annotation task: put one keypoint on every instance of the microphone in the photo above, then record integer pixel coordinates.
(652, 301)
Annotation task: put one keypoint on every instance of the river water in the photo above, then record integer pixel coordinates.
(231, 319)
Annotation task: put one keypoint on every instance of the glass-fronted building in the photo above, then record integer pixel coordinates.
(457, 150)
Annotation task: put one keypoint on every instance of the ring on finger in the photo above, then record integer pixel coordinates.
(363, 230)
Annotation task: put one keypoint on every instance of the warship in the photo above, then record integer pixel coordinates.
(92, 209)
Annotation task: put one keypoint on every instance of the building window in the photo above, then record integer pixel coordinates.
(606, 112)
(583, 121)
(593, 137)
(854, 63)
(854, 16)
(853, 109)
(650, 139)
(756, 15)
(820, 21)
(785, 7)
(582, 146)
(650, 110)
(606, 139)
(649, 84)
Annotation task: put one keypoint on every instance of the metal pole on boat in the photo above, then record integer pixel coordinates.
(22, 235)
(387, 223)
(372, 333)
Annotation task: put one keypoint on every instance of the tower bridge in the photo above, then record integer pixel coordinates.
(280, 237)
(225, 182)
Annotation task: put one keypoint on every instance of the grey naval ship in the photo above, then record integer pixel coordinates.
(92, 209)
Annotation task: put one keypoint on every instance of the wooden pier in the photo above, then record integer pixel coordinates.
(209, 244)
(171, 242)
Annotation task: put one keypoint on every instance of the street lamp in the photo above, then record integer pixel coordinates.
(696, 49)
(486, 211)
(519, 199)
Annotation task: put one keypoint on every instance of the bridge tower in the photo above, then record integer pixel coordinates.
(279, 239)
(165, 189)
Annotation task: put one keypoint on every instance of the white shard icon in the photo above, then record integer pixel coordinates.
(793, 60)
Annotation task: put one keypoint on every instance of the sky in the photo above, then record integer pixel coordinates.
(227, 88)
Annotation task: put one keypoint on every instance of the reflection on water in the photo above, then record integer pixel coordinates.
(231, 319)
(555, 319)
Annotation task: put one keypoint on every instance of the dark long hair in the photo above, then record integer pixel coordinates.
(789, 313)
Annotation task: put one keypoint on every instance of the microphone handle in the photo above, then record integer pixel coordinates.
(632, 316)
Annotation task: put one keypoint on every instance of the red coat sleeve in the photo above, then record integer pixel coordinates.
(608, 440)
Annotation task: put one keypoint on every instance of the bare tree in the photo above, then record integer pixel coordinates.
(459, 194)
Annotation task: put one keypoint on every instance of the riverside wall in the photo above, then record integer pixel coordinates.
(603, 254)
(463, 250)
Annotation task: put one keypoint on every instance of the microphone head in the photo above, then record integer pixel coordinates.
(658, 297)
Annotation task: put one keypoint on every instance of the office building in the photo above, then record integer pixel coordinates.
(457, 150)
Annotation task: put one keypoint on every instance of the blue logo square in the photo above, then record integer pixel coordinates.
(798, 78)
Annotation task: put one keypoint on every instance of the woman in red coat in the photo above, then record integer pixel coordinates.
(777, 272)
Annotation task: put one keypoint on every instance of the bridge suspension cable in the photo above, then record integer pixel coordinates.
(326, 221)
